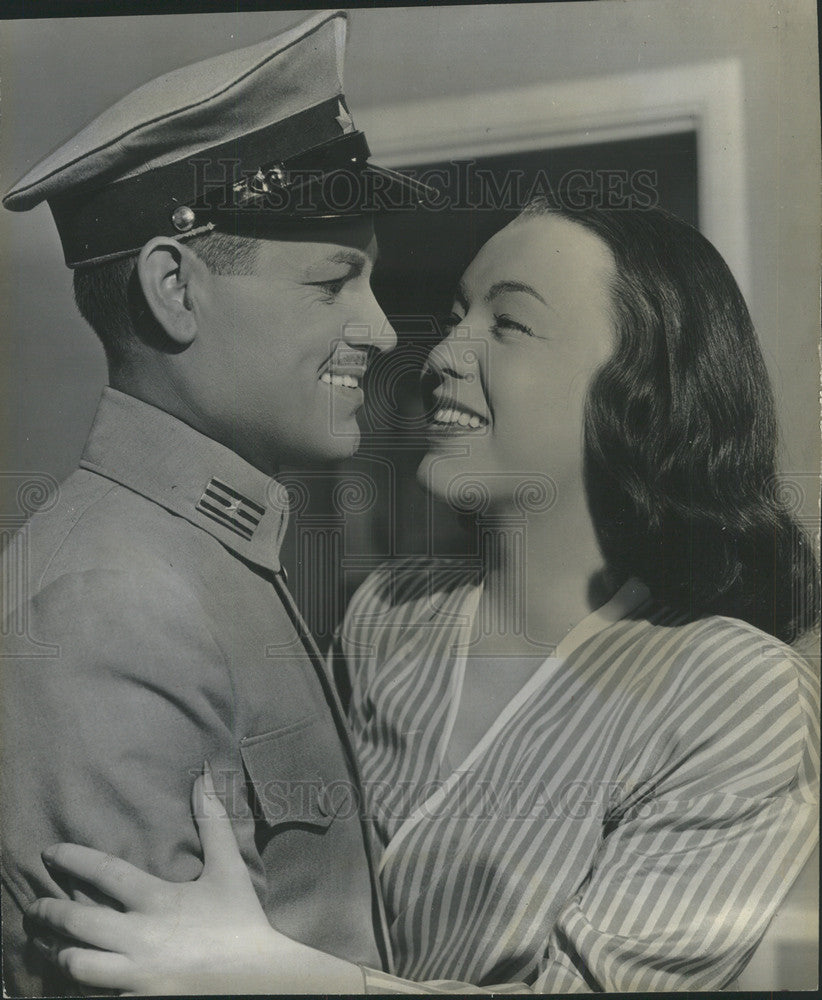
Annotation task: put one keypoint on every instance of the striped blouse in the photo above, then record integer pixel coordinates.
(631, 820)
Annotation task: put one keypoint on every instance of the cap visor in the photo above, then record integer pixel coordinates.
(399, 190)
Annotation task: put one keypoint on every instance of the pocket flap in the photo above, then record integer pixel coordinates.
(286, 769)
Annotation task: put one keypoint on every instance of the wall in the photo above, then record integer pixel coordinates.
(57, 74)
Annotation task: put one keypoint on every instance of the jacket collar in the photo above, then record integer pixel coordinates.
(158, 456)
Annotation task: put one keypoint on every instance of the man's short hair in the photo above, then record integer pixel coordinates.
(109, 297)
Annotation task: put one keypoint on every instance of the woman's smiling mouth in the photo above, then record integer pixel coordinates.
(451, 417)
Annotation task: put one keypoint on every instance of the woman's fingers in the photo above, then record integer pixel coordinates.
(113, 876)
(92, 968)
(99, 926)
(221, 855)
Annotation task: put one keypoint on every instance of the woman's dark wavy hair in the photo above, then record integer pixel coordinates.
(681, 435)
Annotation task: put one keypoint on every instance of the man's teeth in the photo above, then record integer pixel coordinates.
(347, 380)
(448, 416)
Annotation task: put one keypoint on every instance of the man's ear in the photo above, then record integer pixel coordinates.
(165, 269)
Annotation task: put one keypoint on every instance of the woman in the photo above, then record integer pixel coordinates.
(591, 766)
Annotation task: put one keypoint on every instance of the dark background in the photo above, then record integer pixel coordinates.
(422, 256)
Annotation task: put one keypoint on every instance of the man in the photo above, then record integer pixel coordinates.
(227, 275)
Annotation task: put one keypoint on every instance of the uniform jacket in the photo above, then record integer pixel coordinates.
(151, 629)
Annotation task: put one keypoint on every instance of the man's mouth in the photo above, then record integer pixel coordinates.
(339, 379)
(345, 369)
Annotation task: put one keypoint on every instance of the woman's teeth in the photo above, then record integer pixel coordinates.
(347, 380)
(459, 417)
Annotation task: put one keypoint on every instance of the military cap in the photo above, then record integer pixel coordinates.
(256, 138)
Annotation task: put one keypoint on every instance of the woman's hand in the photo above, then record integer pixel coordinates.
(207, 936)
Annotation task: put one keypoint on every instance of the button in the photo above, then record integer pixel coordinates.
(325, 806)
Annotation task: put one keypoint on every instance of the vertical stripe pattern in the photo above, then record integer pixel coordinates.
(630, 825)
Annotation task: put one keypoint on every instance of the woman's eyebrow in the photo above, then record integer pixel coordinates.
(499, 287)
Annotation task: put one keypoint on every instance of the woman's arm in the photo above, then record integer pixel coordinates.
(201, 937)
(695, 911)
(683, 887)
(211, 936)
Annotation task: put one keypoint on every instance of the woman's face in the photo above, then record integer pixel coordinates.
(531, 323)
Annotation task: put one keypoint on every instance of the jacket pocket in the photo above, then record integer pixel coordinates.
(289, 775)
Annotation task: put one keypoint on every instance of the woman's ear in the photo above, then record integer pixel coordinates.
(165, 269)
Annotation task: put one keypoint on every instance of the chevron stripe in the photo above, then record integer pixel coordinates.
(231, 509)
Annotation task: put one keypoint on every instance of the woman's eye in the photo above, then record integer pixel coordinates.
(504, 324)
(450, 321)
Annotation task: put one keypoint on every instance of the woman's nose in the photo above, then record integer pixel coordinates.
(457, 355)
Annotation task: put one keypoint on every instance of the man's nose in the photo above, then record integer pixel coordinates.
(371, 329)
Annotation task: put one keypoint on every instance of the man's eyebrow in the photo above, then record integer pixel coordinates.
(499, 287)
(355, 259)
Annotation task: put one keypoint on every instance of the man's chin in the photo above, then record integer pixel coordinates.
(345, 444)
(326, 452)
